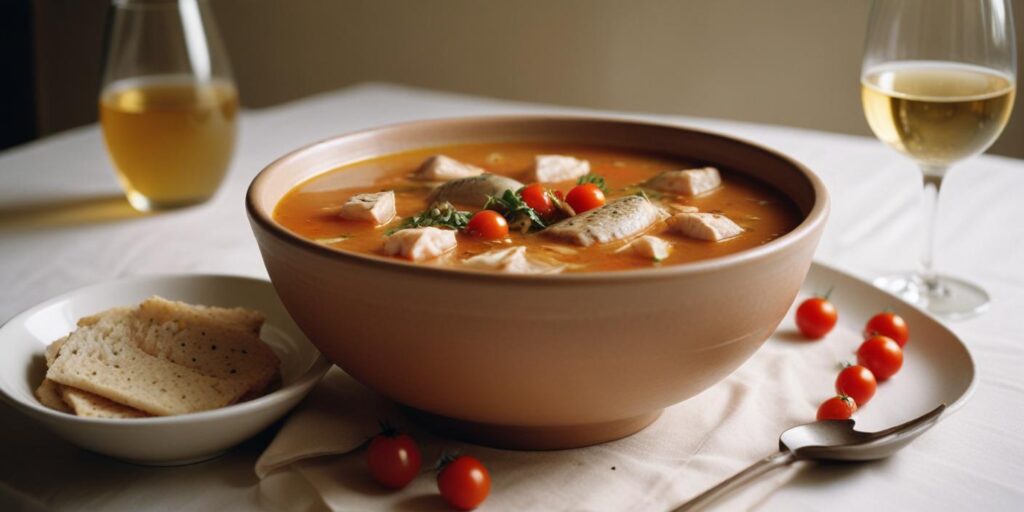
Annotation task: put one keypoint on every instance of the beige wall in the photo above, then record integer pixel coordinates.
(793, 62)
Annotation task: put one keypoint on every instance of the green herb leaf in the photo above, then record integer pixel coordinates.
(519, 214)
(596, 179)
(441, 215)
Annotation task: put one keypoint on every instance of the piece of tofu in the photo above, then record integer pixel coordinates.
(418, 244)
(557, 168)
(689, 182)
(378, 207)
(650, 247)
(443, 168)
(712, 227)
(512, 260)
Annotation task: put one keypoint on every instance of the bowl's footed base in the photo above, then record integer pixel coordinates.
(173, 462)
(532, 438)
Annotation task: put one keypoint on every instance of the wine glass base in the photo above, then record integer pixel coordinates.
(953, 298)
(147, 205)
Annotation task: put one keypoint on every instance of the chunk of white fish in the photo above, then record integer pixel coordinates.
(649, 247)
(444, 168)
(713, 227)
(513, 260)
(682, 208)
(378, 207)
(473, 191)
(556, 168)
(689, 182)
(418, 244)
(617, 220)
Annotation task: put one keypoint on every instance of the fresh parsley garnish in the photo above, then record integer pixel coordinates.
(441, 215)
(596, 179)
(519, 214)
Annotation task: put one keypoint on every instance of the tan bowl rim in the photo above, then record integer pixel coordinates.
(811, 223)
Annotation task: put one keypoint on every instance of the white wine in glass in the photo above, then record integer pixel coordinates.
(168, 106)
(938, 84)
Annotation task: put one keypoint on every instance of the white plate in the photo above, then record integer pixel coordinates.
(163, 440)
(937, 367)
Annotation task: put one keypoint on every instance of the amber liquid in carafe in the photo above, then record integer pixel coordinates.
(171, 138)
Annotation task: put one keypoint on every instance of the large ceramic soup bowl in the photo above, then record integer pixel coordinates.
(536, 361)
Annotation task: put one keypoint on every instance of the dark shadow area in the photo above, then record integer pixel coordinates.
(17, 107)
(791, 336)
(828, 472)
(423, 502)
(67, 212)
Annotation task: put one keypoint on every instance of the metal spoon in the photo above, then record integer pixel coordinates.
(823, 440)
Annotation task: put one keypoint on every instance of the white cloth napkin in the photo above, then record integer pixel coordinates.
(316, 461)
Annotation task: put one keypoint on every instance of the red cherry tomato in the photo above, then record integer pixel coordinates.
(394, 459)
(881, 355)
(536, 196)
(816, 317)
(488, 224)
(888, 324)
(858, 383)
(585, 197)
(464, 483)
(837, 408)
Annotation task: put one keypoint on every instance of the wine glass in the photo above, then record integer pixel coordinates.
(168, 106)
(938, 84)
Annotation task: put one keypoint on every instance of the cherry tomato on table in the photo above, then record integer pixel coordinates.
(881, 355)
(858, 383)
(488, 225)
(816, 317)
(536, 196)
(837, 408)
(393, 458)
(888, 324)
(585, 197)
(464, 483)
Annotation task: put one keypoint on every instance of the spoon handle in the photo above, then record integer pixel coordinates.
(756, 469)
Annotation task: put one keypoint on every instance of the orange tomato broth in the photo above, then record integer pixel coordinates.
(310, 208)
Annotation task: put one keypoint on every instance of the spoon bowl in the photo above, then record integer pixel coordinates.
(829, 440)
(837, 439)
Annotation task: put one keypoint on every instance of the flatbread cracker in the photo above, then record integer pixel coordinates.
(162, 310)
(217, 342)
(48, 394)
(102, 359)
(88, 405)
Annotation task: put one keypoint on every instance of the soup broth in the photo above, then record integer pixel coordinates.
(311, 208)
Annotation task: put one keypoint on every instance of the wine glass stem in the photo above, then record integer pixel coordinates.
(932, 185)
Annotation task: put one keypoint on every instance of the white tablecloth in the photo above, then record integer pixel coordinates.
(973, 460)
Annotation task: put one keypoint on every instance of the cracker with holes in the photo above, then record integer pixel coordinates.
(159, 358)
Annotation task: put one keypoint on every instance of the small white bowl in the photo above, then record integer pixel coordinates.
(165, 440)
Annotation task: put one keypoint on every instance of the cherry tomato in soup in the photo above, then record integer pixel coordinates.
(881, 355)
(888, 324)
(464, 483)
(816, 317)
(585, 197)
(858, 383)
(488, 224)
(837, 408)
(393, 458)
(536, 196)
